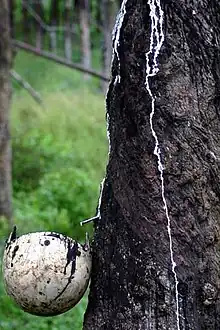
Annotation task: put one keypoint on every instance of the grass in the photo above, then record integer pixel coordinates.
(59, 158)
(74, 118)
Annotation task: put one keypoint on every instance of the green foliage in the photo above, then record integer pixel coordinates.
(59, 153)
(59, 157)
(52, 77)
(63, 198)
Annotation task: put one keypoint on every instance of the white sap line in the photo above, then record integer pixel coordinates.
(100, 198)
(152, 54)
(116, 36)
(108, 133)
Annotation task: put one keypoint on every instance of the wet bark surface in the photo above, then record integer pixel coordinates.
(132, 283)
(5, 91)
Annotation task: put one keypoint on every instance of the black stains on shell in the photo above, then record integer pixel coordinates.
(14, 252)
(62, 238)
(8, 248)
(55, 235)
(72, 251)
(64, 289)
(11, 238)
(81, 292)
(47, 242)
(13, 234)
(85, 247)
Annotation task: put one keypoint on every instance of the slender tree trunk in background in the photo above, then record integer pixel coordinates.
(5, 92)
(54, 21)
(85, 34)
(75, 19)
(68, 20)
(26, 24)
(133, 285)
(11, 10)
(38, 7)
(108, 11)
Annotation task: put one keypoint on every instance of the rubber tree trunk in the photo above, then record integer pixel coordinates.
(5, 91)
(133, 285)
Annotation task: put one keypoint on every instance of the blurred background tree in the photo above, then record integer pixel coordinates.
(59, 144)
(5, 93)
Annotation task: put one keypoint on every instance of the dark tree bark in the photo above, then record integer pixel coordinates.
(133, 285)
(5, 91)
